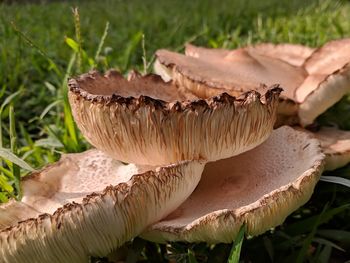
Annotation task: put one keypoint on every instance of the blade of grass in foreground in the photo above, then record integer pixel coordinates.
(237, 245)
(191, 256)
(336, 180)
(310, 236)
(13, 142)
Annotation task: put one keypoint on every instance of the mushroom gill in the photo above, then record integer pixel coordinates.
(144, 120)
(88, 204)
(313, 79)
(259, 188)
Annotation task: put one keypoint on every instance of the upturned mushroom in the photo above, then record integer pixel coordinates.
(313, 80)
(145, 120)
(88, 204)
(233, 192)
(70, 202)
(97, 203)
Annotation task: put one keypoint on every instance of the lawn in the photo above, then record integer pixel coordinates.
(38, 44)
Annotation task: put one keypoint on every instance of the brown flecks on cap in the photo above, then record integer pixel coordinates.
(233, 191)
(92, 201)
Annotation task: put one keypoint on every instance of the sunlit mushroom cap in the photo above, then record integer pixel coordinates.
(259, 188)
(88, 204)
(313, 80)
(146, 121)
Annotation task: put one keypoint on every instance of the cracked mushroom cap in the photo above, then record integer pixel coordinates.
(259, 188)
(88, 204)
(145, 120)
(313, 80)
(336, 145)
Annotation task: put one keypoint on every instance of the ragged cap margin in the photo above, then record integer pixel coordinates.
(102, 221)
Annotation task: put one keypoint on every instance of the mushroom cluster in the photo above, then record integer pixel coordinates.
(191, 159)
(313, 80)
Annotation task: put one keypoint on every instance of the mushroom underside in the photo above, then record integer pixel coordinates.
(259, 188)
(145, 130)
(88, 204)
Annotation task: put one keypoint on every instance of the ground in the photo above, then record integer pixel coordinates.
(38, 47)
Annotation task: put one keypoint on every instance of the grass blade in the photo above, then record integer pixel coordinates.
(326, 242)
(78, 37)
(191, 257)
(310, 237)
(102, 41)
(336, 180)
(37, 48)
(237, 245)
(49, 107)
(8, 100)
(8, 155)
(13, 143)
(307, 224)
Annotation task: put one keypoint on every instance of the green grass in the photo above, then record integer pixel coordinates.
(40, 48)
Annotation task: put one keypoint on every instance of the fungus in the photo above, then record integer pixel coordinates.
(144, 120)
(313, 80)
(233, 192)
(336, 145)
(88, 204)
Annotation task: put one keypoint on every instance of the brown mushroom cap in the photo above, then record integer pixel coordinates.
(329, 58)
(70, 210)
(317, 80)
(328, 80)
(212, 71)
(293, 54)
(259, 188)
(143, 120)
(336, 145)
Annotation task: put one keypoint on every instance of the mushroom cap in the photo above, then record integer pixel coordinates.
(313, 80)
(259, 188)
(88, 204)
(336, 145)
(328, 80)
(329, 58)
(208, 72)
(293, 54)
(144, 120)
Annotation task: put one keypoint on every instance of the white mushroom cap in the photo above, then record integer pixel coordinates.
(144, 120)
(318, 79)
(336, 145)
(89, 204)
(259, 188)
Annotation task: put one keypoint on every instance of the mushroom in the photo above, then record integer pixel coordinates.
(96, 203)
(233, 192)
(145, 120)
(87, 204)
(336, 145)
(312, 80)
